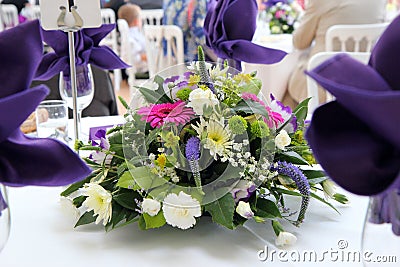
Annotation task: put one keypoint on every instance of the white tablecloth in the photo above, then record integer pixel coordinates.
(42, 235)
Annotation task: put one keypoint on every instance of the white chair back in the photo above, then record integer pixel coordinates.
(9, 16)
(108, 17)
(126, 49)
(364, 37)
(156, 37)
(317, 59)
(35, 11)
(152, 16)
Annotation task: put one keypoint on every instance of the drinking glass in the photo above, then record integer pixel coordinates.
(381, 233)
(5, 220)
(52, 119)
(85, 89)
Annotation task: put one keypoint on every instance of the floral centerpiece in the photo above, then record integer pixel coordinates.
(282, 17)
(202, 144)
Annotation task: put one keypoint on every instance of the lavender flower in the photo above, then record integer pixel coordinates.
(171, 79)
(192, 153)
(301, 182)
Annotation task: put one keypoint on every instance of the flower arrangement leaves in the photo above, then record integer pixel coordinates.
(204, 145)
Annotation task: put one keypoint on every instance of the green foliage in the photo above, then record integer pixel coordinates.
(222, 210)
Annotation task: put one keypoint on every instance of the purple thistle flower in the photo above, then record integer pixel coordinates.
(294, 173)
(192, 150)
(3, 204)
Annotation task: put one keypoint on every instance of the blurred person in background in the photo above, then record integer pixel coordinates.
(131, 13)
(319, 15)
(189, 15)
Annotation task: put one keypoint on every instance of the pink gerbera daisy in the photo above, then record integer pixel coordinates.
(274, 118)
(159, 114)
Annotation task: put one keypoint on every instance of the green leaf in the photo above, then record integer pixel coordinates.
(301, 111)
(78, 201)
(222, 210)
(293, 157)
(341, 198)
(72, 188)
(126, 199)
(142, 223)
(251, 107)
(324, 201)
(266, 208)
(312, 174)
(157, 96)
(126, 180)
(86, 218)
(123, 102)
(145, 179)
(154, 221)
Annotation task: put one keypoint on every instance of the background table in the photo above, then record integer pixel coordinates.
(275, 77)
(42, 235)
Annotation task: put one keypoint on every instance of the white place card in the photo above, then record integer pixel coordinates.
(88, 10)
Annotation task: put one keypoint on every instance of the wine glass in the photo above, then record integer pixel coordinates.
(5, 220)
(85, 90)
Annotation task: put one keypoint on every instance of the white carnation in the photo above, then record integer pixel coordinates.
(282, 140)
(180, 210)
(151, 206)
(198, 98)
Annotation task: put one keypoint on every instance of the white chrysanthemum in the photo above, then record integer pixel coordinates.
(285, 239)
(244, 210)
(99, 200)
(180, 210)
(282, 140)
(151, 206)
(199, 98)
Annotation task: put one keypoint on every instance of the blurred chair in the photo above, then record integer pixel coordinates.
(126, 50)
(317, 59)
(164, 47)
(35, 11)
(353, 38)
(104, 101)
(108, 17)
(152, 16)
(9, 16)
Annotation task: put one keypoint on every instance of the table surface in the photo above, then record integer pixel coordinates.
(42, 234)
